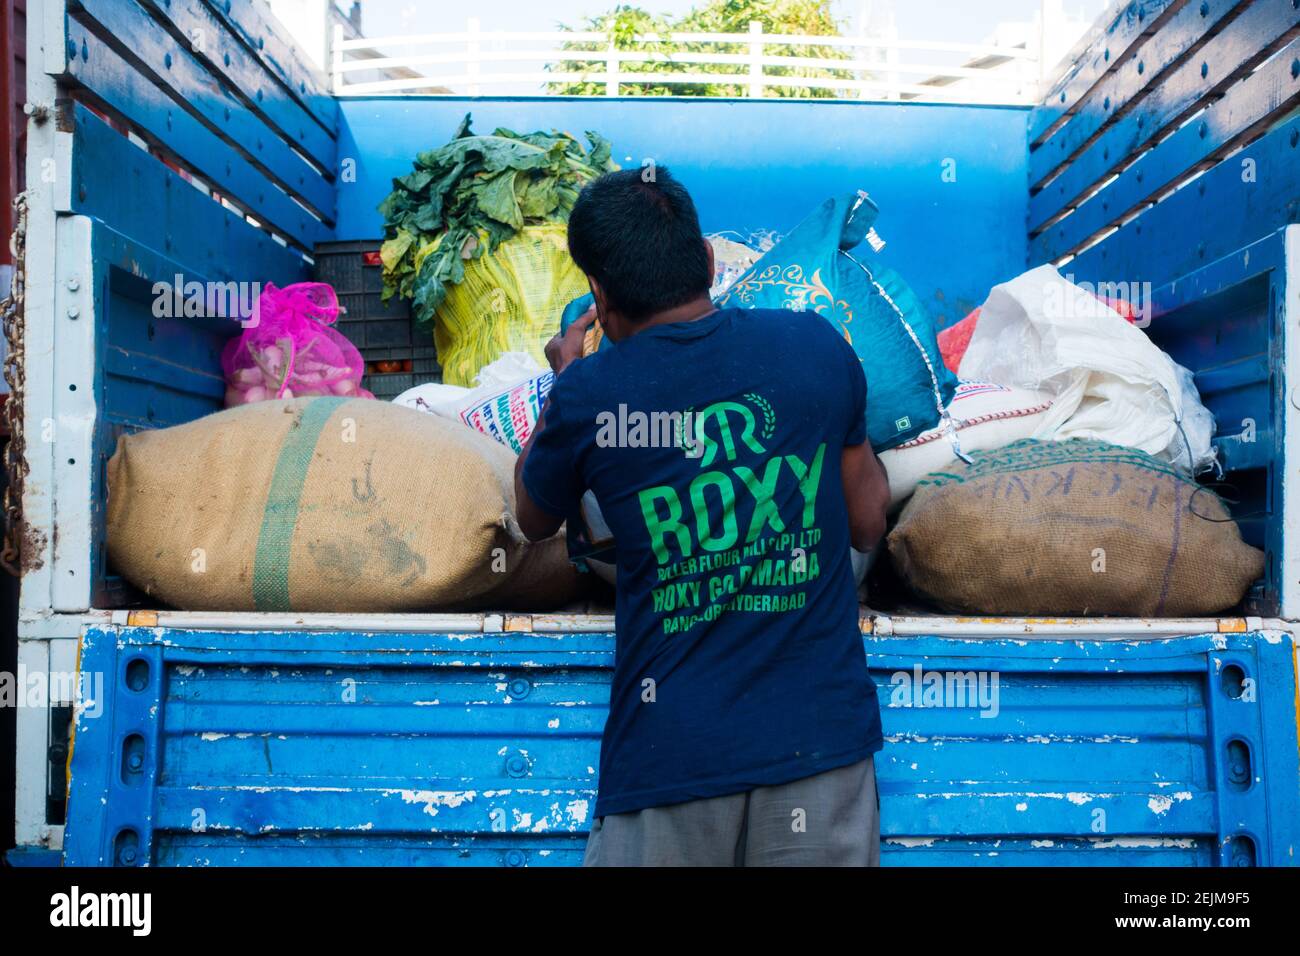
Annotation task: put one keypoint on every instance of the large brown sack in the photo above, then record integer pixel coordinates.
(542, 580)
(317, 504)
(1071, 528)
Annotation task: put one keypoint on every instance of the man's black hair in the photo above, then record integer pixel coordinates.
(641, 241)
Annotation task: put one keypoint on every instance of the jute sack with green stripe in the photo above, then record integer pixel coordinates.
(322, 504)
(1071, 528)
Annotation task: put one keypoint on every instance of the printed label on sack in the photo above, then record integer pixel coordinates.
(510, 416)
(966, 389)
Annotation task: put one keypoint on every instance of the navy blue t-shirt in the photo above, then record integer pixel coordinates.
(713, 449)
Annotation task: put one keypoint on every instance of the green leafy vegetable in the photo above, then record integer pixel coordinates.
(467, 197)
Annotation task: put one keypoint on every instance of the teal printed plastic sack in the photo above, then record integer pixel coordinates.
(814, 269)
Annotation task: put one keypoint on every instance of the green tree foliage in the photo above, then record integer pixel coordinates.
(808, 17)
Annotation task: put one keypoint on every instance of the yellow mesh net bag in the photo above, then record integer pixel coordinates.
(509, 301)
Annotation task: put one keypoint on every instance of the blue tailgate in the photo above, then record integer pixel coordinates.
(332, 748)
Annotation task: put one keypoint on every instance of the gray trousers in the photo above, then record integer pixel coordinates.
(829, 819)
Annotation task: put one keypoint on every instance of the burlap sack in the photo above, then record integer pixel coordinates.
(1071, 528)
(543, 579)
(316, 504)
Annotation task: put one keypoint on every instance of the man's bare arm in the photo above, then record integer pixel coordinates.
(535, 522)
(561, 351)
(866, 492)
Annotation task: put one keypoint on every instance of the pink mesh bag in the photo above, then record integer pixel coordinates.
(292, 351)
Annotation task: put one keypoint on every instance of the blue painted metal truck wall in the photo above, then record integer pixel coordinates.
(1166, 154)
(373, 748)
(237, 116)
(1224, 321)
(949, 179)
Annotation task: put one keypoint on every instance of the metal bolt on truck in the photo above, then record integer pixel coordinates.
(1166, 150)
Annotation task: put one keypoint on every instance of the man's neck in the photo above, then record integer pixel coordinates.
(686, 312)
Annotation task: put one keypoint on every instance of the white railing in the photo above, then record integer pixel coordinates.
(472, 61)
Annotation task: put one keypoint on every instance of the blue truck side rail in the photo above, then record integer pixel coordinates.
(1163, 159)
(339, 747)
(1167, 150)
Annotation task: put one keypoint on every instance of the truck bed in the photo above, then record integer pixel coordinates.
(1163, 153)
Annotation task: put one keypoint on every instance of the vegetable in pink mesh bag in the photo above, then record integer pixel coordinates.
(291, 350)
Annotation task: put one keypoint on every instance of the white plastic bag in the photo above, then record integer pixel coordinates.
(435, 398)
(505, 405)
(510, 369)
(984, 416)
(731, 260)
(1110, 382)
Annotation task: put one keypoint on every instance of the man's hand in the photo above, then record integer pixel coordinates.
(563, 350)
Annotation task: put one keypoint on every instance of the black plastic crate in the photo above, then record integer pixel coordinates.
(350, 267)
(418, 365)
(384, 332)
(353, 269)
